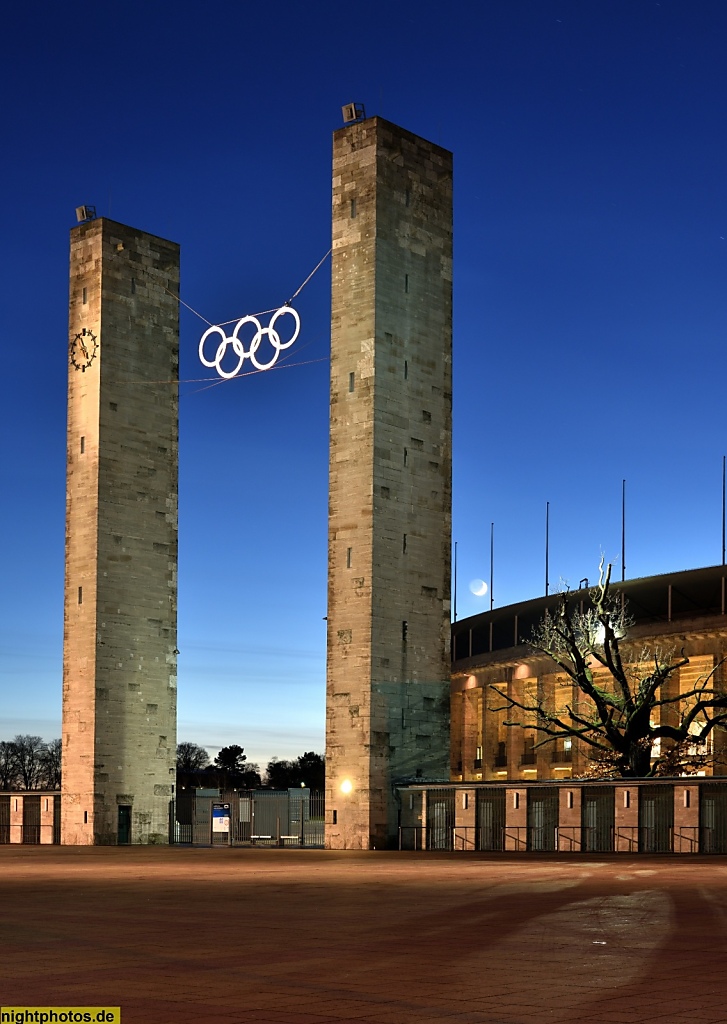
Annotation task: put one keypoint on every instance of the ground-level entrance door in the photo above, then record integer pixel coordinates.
(124, 833)
(597, 819)
(31, 819)
(713, 818)
(440, 819)
(656, 818)
(542, 818)
(490, 819)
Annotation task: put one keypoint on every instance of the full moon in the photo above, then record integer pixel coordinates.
(478, 588)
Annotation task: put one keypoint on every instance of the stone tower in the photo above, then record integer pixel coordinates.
(390, 476)
(120, 617)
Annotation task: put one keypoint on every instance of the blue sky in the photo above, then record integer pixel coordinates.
(589, 287)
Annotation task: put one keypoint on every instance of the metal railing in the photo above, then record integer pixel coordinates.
(412, 837)
(686, 839)
(464, 837)
(644, 839)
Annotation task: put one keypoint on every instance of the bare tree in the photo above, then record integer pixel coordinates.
(29, 752)
(8, 765)
(191, 757)
(623, 713)
(50, 761)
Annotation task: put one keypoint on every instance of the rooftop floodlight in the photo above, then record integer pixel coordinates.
(353, 112)
(84, 213)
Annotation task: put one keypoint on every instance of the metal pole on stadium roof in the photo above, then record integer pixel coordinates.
(547, 544)
(723, 505)
(623, 530)
(492, 558)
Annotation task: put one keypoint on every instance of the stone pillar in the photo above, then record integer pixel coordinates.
(516, 819)
(390, 476)
(46, 819)
(465, 806)
(626, 819)
(16, 819)
(120, 619)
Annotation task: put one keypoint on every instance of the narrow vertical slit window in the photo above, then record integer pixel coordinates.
(85, 817)
(406, 369)
(353, 208)
(406, 282)
(407, 197)
(80, 595)
(133, 286)
(84, 296)
(348, 558)
(403, 546)
(351, 381)
(406, 456)
(83, 445)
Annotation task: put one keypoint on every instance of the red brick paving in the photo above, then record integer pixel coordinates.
(313, 937)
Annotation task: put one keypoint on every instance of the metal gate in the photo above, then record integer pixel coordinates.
(31, 819)
(597, 818)
(202, 821)
(4, 819)
(656, 819)
(57, 818)
(294, 817)
(490, 819)
(713, 818)
(542, 819)
(440, 819)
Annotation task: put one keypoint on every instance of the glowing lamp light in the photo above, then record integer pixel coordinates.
(346, 786)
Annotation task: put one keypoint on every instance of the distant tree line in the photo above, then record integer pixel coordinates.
(232, 770)
(28, 762)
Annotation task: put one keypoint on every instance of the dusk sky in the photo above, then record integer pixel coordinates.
(590, 305)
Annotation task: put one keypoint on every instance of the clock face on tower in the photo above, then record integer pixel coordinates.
(83, 349)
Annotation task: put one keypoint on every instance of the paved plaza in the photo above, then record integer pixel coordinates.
(313, 937)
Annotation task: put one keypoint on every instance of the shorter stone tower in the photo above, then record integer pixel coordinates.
(390, 477)
(120, 619)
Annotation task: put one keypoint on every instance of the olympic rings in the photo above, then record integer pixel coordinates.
(238, 346)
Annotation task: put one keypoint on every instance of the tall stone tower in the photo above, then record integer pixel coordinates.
(120, 618)
(390, 476)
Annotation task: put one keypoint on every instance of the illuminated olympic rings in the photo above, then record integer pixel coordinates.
(239, 348)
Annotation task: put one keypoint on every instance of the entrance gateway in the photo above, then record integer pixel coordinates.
(390, 503)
